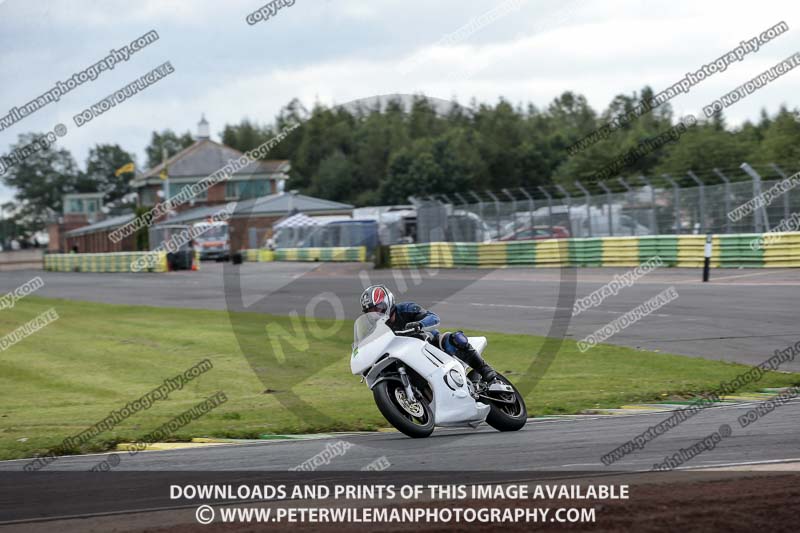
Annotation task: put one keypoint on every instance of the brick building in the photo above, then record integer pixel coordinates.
(257, 187)
(202, 159)
(94, 238)
(252, 220)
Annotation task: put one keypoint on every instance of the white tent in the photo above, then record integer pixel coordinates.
(296, 221)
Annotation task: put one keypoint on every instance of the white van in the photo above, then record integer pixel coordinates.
(213, 241)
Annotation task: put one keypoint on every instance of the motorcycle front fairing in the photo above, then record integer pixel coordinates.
(377, 347)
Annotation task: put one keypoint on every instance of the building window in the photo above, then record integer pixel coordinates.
(230, 190)
(75, 205)
(241, 190)
(175, 188)
(147, 196)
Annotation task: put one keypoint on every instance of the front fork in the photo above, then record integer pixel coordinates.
(406, 384)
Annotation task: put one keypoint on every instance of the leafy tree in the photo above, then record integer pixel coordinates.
(781, 143)
(334, 179)
(40, 181)
(169, 140)
(245, 136)
(101, 166)
(388, 150)
(700, 149)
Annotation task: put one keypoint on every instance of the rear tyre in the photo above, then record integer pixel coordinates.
(509, 413)
(415, 420)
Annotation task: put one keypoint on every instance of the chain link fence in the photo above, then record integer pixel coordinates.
(645, 206)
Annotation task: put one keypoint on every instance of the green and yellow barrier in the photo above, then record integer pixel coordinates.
(334, 253)
(735, 251)
(255, 255)
(688, 251)
(663, 246)
(781, 250)
(108, 262)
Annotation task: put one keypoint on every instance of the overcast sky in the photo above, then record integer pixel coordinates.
(337, 51)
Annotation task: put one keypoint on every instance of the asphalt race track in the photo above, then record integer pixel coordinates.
(562, 444)
(741, 315)
(713, 320)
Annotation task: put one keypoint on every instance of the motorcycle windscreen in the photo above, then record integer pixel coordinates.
(364, 327)
(367, 329)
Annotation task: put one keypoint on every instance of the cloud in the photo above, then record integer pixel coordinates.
(336, 52)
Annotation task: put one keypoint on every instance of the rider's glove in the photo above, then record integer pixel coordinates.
(416, 326)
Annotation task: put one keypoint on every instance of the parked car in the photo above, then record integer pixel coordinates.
(214, 242)
(536, 233)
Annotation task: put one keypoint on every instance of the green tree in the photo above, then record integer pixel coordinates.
(40, 182)
(781, 143)
(700, 149)
(386, 151)
(101, 167)
(169, 140)
(334, 178)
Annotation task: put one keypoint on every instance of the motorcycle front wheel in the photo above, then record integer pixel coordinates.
(413, 419)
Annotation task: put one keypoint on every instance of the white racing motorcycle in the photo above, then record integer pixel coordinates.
(418, 386)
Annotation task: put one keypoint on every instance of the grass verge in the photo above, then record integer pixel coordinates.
(96, 358)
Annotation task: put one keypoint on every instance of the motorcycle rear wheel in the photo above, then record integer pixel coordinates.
(505, 416)
(416, 422)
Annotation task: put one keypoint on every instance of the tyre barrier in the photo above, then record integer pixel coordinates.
(108, 262)
(747, 250)
(255, 255)
(338, 253)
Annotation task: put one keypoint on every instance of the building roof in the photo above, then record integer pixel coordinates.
(272, 205)
(205, 157)
(103, 225)
(295, 221)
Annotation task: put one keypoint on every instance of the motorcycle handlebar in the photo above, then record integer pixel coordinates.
(426, 334)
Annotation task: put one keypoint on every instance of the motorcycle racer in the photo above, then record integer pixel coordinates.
(409, 315)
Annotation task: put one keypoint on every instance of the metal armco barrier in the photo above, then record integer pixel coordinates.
(729, 251)
(339, 253)
(110, 262)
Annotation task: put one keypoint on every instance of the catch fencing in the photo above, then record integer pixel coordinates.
(696, 203)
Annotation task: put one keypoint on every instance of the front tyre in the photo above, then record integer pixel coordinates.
(415, 420)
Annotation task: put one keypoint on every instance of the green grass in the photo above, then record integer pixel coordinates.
(98, 357)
